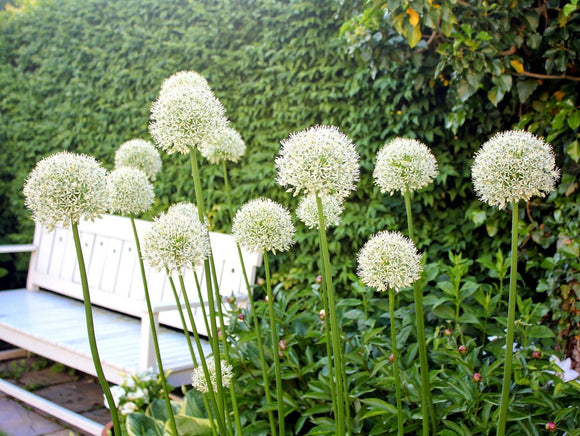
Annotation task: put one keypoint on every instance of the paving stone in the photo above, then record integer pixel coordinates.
(78, 396)
(16, 420)
(102, 415)
(45, 377)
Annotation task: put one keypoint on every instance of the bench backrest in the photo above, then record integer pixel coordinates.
(113, 270)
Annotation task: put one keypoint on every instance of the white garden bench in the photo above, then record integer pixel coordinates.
(47, 318)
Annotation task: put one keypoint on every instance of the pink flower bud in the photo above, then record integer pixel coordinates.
(241, 316)
(260, 281)
(231, 299)
(322, 315)
(476, 377)
(392, 357)
(318, 280)
(282, 345)
(536, 354)
(462, 349)
(448, 332)
(551, 427)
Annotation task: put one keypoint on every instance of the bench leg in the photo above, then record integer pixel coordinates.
(147, 358)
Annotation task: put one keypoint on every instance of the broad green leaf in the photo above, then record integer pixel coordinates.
(495, 95)
(573, 150)
(574, 119)
(414, 35)
(193, 404)
(525, 89)
(540, 331)
(190, 426)
(158, 409)
(139, 424)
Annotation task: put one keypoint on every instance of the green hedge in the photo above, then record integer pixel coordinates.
(81, 75)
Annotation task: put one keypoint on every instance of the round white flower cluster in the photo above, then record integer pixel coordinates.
(263, 225)
(227, 145)
(184, 116)
(185, 78)
(141, 154)
(389, 260)
(199, 381)
(64, 188)
(307, 211)
(320, 160)
(404, 164)
(129, 191)
(177, 240)
(512, 166)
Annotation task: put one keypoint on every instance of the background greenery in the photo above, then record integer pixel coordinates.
(81, 75)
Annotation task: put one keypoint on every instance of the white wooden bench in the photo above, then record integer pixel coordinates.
(48, 318)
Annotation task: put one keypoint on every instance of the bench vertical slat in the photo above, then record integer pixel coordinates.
(111, 266)
(127, 264)
(69, 258)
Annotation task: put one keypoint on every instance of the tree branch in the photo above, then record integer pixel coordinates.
(547, 76)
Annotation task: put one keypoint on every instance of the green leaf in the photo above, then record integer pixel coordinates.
(540, 331)
(414, 35)
(158, 410)
(378, 407)
(574, 119)
(525, 89)
(193, 404)
(190, 426)
(139, 424)
(495, 95)
(573, 150)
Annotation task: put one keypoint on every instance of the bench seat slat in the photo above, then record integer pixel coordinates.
(118, 336)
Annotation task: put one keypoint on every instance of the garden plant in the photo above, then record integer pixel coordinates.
(421, 332)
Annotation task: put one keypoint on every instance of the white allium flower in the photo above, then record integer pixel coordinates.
(64, 188)
(129, 190)
(512, 166)
(140, 154)
(128, 407)
(263, 225)
(199, 382)
(389, 260)
(404, 164)
(320, 160)
(227, 145)
(183, 117)
(176, 241)
(307, 211)
(183, 208)
(185, 78)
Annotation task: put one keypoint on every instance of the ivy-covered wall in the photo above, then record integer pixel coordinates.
(80, 75)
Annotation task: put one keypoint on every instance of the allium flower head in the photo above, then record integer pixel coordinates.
(263, 225)
(512, 166)
(307, 211)
(199, 381)
(183, 208)
(227, 145)
(185, 78)
(389, 260)
(176, 241)
(64, 188)
(404, 164)
(140, 154)
(183, 117)
(320, 160)
(129, 191)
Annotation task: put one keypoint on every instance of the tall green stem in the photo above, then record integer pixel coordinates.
(253, 314)
(91, 331)
(426, 400)
(190, 347)
(216, 402)
(208, 281)
(335, 330)
(153, 330)
(509, 340)
(396, 362)
(275, 346)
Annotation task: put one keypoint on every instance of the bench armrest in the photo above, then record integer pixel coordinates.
(20, 248)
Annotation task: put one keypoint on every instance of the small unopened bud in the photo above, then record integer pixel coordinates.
(318, 280)
(241, 316)
(462, 349)
(476, 377)
(219, 333)
(266, 298)
(280, 354)
(392, 357)
(536, 354)
(322, 315)
(448, 332)
(551, 427)
(231, 299)
(282, 345)
(260, 281)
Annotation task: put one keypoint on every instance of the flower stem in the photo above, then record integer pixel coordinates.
(153, 329)
(426, 400)
(91, 331)
(335, 330)
(208, 280)
(216, 401)
(190, 347)
(509, 340)
(396, 362)
(253, 314)
(275, 346)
